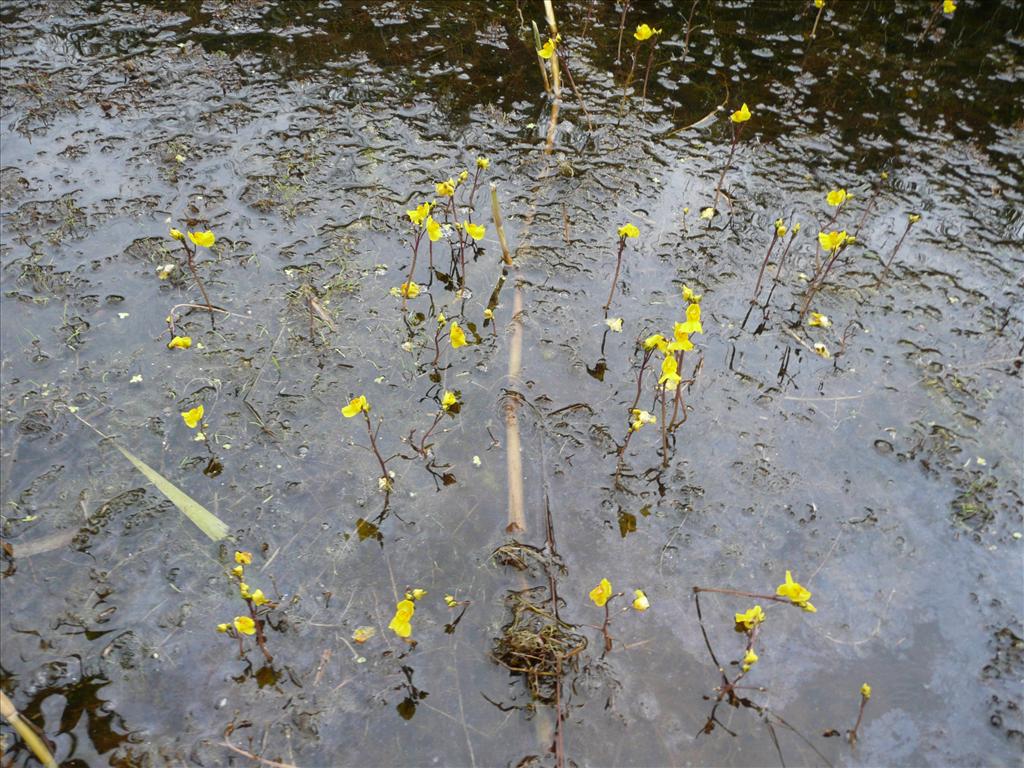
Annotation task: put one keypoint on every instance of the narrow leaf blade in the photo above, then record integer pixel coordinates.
(204, 519)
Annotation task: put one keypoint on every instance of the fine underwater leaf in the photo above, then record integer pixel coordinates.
(206, 521)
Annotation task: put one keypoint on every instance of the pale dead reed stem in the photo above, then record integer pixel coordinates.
(622, 27)
(24, 730)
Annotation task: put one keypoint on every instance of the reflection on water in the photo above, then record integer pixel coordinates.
(887, 477)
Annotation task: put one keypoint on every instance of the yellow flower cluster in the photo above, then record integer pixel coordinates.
(244, 625)
(680, 341)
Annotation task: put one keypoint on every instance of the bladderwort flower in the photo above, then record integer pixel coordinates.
(640, 418)
(180, 342)
(645, 32)
(448, 400)
(656, 341)
(681, 339)
(746, 621)
(601, 593)
(548, 49)
(797, 593)
(419, 214)
(445, 188)
(741, 115)
(692, 324)
(640, 601)
(830, 241)
(865, 691)
(356, 406)
(177, 234)
(483, 163)
(670, 372)
(819, 320)
(193, 416)
(243, 558)
(203, 239)
(401, 622)
(629, 230)
(837, 197)
(434, 230)
(614, 324)
(749, 660)
(456, 336)
(822, 351)
(689, 295)
(476, 231)
(406, 290)
(416, 594)
(245, 625)
(948, 6)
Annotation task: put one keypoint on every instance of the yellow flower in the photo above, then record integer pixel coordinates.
(406, 289)
(361, 634)
(707, 213)
(476, 231)
(205, 239)
(747, 621)
(865, 689)
(445, 188)
(797, 593)
(243, 558)
(614, 323)
(644, 32)
(450, 601)
(819, 320)
(819, 3)
(749, 660)
(796, 227)
(629, 230)
(245, 625)
(692, 324)
(457, 336)
(258, 598)
(243, 590)
(682, 339)
(400, 623)
(780, 228)
(656, 340)
(355, 406)
(832, 240)
(670, 372)
(223, 627)
(822, 351)
(837, 197)
(488, 314)
(448, 400)
(417, 593)
(433, 229)
(640, 602)
(689, 295)
(176, 234)
(419, 213)
(180, 342)
(483, 163)
(238, 571)
(193, 417)
(948, 6)
(548, 48)
(741, 115)
(914, 218)
(463, 176)
(441, 319)
(601, 593)
(640, 418)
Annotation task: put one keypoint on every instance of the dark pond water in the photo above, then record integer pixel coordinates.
(887, 478)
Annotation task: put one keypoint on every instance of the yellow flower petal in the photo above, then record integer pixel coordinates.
(258, 598)
(361, 634)
(243, 558)
(476, 231)
(629, 230)
(819, 320)
(245, 625)
(180, 342)
(418, 214)
(445, 188)
(614, 323)
(644, 32)
(448, 400)
(434, 230)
